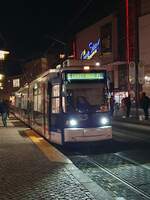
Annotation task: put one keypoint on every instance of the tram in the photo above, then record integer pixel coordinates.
(67, 104)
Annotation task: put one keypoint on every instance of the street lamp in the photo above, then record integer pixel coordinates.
(1, 86)
(1, 77)
(2, 57)
(3, 54)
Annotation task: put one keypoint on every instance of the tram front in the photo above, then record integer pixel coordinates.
(85, 106)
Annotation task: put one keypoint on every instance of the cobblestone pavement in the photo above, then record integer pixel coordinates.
(133, 174)
(25, 173)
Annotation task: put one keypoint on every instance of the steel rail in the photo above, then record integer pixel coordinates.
(137, 190)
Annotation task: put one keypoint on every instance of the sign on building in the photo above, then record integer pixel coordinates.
(93, 48)
(132, 72)
(141, 73)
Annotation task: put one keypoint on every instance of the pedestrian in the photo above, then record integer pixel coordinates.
(127, 102)
(145, 102)
(112, 105)
(116, 108)
(4, 112)
(8, 107)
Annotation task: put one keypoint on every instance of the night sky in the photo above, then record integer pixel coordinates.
(27, 27)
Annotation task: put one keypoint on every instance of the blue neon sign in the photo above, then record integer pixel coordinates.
(93, 49)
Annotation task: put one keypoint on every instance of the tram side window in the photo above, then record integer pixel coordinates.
(55, 99)
(37, 99)
(24, 101)
(18, 101)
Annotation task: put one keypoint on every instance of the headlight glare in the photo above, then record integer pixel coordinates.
(104, 120)
(73, 122)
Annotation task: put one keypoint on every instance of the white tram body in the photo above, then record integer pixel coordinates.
(69, 104)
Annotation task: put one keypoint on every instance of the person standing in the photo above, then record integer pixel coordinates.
(145, 102)
(4, 112)
(112, 105)
(127, 102)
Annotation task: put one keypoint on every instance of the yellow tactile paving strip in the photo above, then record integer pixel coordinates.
(50, 152)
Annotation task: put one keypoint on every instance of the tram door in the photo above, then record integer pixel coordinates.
(49, 95)
(44, 110)
(54, 112)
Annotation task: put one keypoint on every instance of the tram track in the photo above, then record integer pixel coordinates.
(114, 173)
(133, 161)
(121, 180)
(121, 167)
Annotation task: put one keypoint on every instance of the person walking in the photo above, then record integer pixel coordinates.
(127, 102)
(4, 112)
(145, 102)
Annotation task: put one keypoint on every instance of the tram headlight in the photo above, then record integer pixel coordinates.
(73, 122)
(104, 120)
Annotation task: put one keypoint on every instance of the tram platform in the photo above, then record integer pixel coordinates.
(31, 168)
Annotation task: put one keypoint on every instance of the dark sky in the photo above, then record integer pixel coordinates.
(26, 25)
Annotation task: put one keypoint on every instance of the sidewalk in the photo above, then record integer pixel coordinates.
(132, 120)
(31, 168)
(120, 117)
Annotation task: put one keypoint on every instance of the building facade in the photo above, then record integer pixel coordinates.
(100, 42)
(123, 46)
(144, 42)
(11, 85)
(33, 68)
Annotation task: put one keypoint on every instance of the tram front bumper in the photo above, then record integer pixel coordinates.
(87, 134)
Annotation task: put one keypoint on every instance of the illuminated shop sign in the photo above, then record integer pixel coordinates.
(85, 76)
(93, 49)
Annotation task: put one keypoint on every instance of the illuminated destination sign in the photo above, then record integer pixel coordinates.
(93, 49)
(85, 76)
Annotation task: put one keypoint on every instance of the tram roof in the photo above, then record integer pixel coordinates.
(73, 64)
(69, 65)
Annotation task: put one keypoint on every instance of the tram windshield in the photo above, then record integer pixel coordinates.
(85, 98)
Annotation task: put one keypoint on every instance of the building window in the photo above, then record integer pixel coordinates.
(16, 82)
(106, 38)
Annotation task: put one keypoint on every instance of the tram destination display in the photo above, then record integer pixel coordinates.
(97, 76)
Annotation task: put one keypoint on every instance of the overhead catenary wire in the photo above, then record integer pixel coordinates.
(68, 26)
